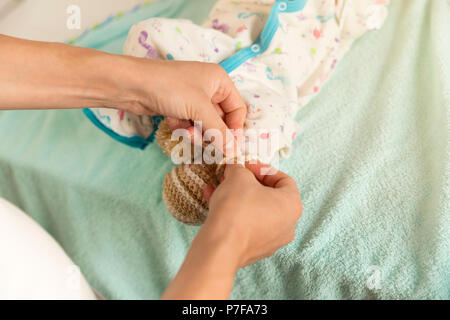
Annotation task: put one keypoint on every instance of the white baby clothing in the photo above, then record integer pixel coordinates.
(278, 54)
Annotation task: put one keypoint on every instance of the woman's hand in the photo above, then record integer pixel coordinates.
(39, 75)
(187, 91)
(255, 209)
(251, 216)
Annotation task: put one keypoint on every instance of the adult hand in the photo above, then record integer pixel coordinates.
(257, 212)
(39, 75)
(188, 91)
(251, 216)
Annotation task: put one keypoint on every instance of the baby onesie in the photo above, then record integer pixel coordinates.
(278, 53)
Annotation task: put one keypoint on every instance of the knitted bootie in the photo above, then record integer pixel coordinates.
(183, 192)
(183, 187)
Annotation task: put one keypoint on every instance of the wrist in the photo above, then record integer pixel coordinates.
(117, 79)
(221, 242)
(208, 271)
(135, 90)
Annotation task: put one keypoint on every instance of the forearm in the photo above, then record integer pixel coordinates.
(208, 271)
(38, 75)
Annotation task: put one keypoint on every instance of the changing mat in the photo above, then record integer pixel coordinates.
(372, 165)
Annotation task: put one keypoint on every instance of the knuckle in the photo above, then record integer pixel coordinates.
(194, 110)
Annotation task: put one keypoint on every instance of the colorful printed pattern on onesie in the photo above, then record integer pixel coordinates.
(278, 53)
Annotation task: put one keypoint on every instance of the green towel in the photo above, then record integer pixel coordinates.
(372, 165)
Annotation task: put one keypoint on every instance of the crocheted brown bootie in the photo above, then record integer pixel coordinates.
(183, 186)
(183, 192)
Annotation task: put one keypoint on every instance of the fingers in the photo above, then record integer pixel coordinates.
(271, 177)
(220, 107)
(219, 111)
(265, 174)
(212, 120)
(232, 104)
(230, 170)
(177, 123)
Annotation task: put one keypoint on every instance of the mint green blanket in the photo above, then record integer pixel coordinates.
(372, 165)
